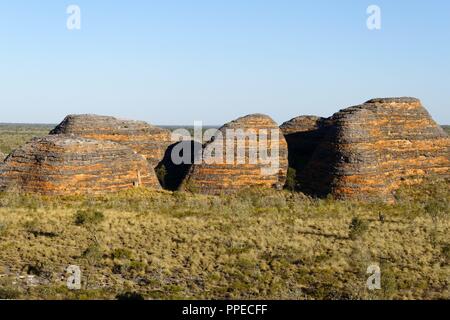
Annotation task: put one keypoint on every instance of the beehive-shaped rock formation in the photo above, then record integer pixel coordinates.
(145, 139)
(241, 172)
(303, 134)
(371, 149)
(60, 164)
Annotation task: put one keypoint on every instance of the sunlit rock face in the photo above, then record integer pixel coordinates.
(372, 149)
(147, 140)
(242, 171)
(67, 165)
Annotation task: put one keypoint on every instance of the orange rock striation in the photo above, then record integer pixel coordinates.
(65, 165)
(145, 139)
(372, 149)
(242, 171)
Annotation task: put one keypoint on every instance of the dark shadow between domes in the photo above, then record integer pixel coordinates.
(170, 174)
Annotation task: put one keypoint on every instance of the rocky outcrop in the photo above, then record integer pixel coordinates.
(371, 149)
(2, 156)
(303, 134)
(145, 139)
(216, 175)
(61, 164)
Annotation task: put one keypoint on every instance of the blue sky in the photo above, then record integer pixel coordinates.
(173, 62)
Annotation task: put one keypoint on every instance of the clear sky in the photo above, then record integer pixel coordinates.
(173, 62)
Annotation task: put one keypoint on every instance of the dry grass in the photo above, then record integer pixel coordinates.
(13, 136)
(447, 129)
(258, 244)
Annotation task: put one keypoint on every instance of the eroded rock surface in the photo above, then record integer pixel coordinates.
(372, 149)
(61, 164)
(147, 140)
(218, 177)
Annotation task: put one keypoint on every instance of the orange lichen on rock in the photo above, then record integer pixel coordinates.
(65, 165)
(247, 167)
(372, 149)
(145, 139)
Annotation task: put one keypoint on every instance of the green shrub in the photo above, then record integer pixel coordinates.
(92, 254)
(7, 293)
(437, 208)
(35, 227)
(129, 296)
(129, 268)
(3, 228)
(357, 228)
(121, 254)
(91, 217)
(291, 180)
(161, 173)
(31, 226)
(446, 252)
(38, 269)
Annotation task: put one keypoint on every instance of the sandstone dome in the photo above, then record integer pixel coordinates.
(61, 164)
(231, 176)
(372, 149)
(145, 139)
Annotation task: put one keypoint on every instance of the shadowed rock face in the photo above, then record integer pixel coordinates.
(371, 149)
(217, 178)
(145, 139)
(61, 164)
(171, 174)
(303, 134)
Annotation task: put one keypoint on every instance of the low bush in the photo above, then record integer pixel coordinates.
(88, 217)
(358, 227)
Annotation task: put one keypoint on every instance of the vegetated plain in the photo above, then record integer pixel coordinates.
(256, 244)
(447, 129)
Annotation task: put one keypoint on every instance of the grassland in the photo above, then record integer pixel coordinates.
(447, 129)
(256, 244)
(13, 136)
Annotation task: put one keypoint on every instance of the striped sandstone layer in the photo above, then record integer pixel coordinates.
(147, 140)
(231, 176)
(372, 149)
(66, 165)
